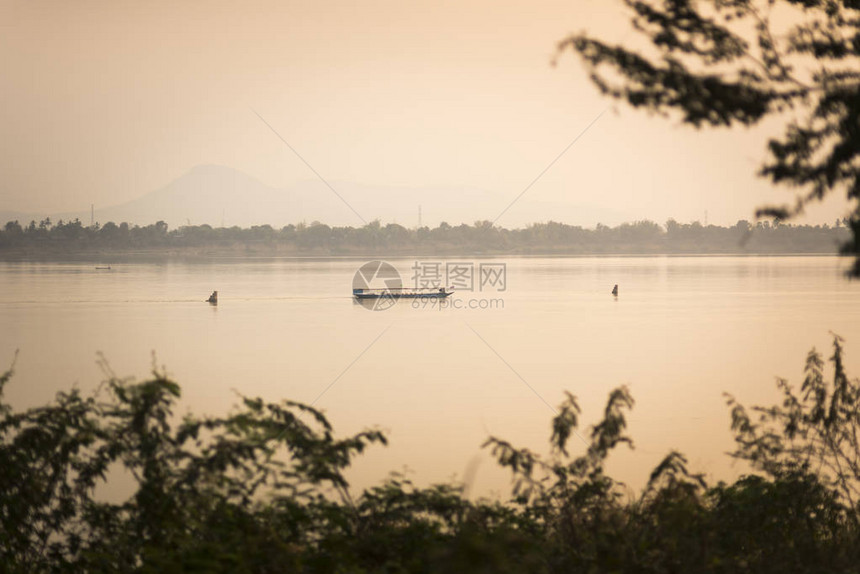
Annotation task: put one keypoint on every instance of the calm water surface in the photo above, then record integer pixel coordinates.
(440, 380)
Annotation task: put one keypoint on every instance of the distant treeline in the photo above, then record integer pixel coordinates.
(47, 238)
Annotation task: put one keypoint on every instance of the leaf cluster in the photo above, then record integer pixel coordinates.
(722, 63)
(264, 489)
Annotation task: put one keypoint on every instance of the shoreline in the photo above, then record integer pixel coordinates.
(227, 256)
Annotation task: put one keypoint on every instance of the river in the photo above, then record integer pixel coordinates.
(494, 360)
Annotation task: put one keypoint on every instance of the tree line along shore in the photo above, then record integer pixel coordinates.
(47, 238)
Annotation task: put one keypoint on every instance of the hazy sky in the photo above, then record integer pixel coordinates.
(101, 102)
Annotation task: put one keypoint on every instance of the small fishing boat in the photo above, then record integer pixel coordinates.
(403, 293)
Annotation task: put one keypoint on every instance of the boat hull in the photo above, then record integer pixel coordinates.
(395, 295)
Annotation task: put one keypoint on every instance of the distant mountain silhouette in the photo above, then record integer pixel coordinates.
(217, 195)
(206, 194)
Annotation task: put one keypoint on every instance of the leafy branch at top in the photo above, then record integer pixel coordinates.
(728, 62)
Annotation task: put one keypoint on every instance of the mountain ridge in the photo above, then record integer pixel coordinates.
(219, 195)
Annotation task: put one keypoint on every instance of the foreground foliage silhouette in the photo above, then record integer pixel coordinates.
(263, 490)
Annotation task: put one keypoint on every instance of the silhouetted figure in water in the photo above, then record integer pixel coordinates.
(615, 290)
(213, 298)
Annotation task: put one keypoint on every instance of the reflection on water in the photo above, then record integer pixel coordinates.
(440, 379)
